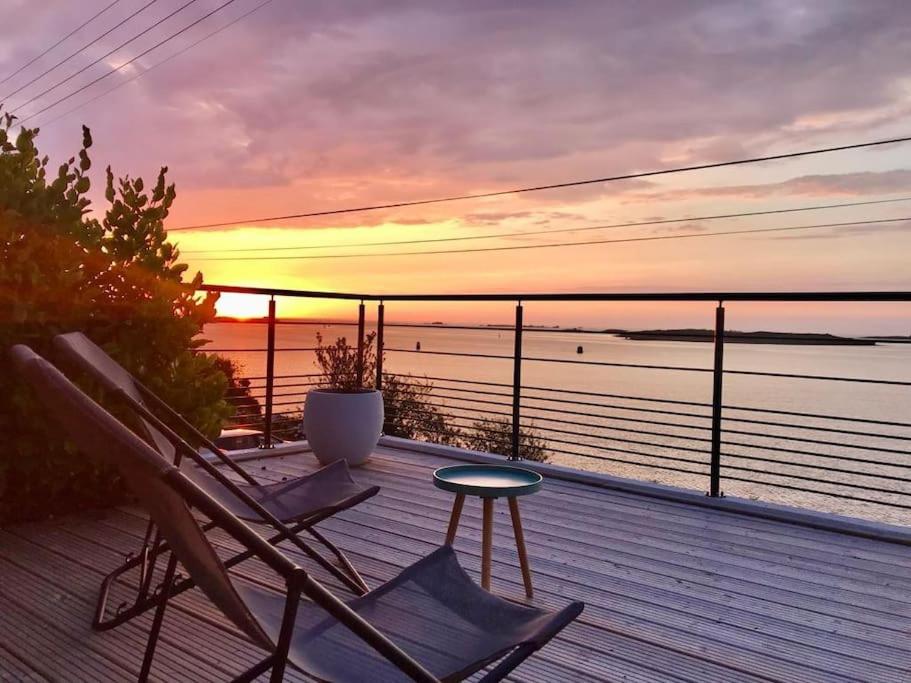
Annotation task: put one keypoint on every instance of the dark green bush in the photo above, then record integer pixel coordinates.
(494, 435)
(117, 279)
(246, 408)
(411, 412)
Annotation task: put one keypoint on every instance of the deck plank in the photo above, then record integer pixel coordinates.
(570, 521)
(704, 521)
(674, 592)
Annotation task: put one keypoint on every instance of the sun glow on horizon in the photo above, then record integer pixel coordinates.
(242, 306)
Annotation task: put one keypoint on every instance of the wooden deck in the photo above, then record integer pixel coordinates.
(672, 592)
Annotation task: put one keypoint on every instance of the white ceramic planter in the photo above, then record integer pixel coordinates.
(343, 426)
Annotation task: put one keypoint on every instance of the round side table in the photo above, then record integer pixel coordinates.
(490, 482)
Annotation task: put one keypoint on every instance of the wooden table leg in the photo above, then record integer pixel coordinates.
(454, 518)
(487, 543)
(520, 545)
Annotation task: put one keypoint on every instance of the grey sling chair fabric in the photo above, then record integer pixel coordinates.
(302, 501)
(430, 623)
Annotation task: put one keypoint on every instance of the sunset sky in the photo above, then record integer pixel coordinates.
(311, 106)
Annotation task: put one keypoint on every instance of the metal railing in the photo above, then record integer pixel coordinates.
(860, 459)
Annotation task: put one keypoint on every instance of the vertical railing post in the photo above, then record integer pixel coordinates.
(380, 313)
(717, 386)
(270, 376)
(515, 453)
(360, 345)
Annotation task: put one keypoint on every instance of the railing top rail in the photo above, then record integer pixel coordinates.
(877, 296)
(268, 291)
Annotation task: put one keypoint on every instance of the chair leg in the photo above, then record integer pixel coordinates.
(159, 618)
(254, 671)
(148, 566)
(343, 560)
(143, 604)
(153, 546)
(353, 585)
(99, 623)
(454, 518)
(151, 530)
(280, 658)
(145, 560)
(487, 543)
(520, 545)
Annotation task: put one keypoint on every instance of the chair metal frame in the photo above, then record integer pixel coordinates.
(153, 546)
(298, 582)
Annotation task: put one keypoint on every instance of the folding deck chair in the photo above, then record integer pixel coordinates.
(300, 503)
(430, 623)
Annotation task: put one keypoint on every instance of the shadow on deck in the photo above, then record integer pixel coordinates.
(673, 592)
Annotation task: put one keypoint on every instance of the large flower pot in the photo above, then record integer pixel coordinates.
(343, 425)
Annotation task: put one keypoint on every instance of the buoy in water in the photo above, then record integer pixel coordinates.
(579, 349)
(417, 347)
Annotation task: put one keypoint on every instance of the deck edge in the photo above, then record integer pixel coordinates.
(772, 511)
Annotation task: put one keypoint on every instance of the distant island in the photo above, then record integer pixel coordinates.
(733, 337)
(895, 338)
(683, 334)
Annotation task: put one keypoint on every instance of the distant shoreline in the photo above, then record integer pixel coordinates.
(761, 337)
(682, 335)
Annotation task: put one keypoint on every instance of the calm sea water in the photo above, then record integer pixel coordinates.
(785, 454)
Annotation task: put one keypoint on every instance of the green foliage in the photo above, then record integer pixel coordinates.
(247, 409)
(287, 426)
(494, 435)
(338, 361)
(410, 410)
(118, 280)
(412, 414)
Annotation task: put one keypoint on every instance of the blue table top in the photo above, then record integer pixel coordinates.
(487, 481)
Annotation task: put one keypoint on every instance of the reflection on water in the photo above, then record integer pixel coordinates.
(784, 450)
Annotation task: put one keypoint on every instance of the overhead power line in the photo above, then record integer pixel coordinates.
(528, 233)
(156, 64)
(60, 42)
(554, 186)
(80, 50)
(517, 247)
(130, 61)
(105, 55)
